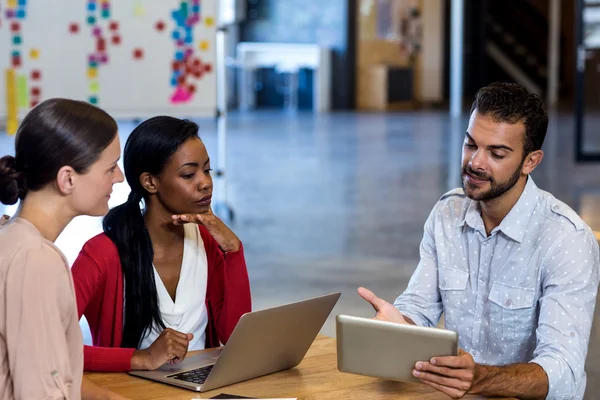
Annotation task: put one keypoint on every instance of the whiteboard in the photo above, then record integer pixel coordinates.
(118, 54)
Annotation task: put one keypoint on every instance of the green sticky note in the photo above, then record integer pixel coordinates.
(22, 92)
(94, 87)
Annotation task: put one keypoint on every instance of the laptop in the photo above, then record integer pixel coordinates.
(389, 350)
(263, 342)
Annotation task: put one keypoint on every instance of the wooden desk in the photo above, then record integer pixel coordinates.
(316, 377)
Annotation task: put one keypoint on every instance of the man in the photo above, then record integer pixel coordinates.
(513, 269)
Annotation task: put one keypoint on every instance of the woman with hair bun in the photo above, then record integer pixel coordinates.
(65, 165)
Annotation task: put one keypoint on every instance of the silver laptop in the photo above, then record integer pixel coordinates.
(388, 350)
(262, 342)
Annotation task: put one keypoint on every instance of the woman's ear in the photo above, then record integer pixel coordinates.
(148, 182)
(66, 179)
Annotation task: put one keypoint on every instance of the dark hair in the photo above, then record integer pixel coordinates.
(149, 148)
(511, 103)
(56, 133)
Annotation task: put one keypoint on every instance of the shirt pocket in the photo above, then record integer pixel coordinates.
(452, 284)
(512, 312)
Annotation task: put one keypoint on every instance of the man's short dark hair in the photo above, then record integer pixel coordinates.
(512, 103)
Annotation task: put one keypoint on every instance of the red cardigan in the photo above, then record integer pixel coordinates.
(98, 280)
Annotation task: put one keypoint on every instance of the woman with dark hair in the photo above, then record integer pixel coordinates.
(65, 165)
(170, 277)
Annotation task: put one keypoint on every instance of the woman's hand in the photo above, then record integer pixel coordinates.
(224, 236)
(171, 346)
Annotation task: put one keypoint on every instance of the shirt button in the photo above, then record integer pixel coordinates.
(443, 283)
(508, 303)
(572, 334)
(555, 207)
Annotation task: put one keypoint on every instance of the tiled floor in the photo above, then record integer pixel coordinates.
(326, 203)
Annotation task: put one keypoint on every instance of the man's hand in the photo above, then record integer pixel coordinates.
(385, 311)
(454, 375)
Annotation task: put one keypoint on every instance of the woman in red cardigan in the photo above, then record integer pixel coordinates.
(170, 277)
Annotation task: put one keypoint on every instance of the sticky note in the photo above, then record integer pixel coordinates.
(204, 45)
(11, 126)
(209, 21)
(36, 75)
(12, 3)
(12, 105)
(22, 94)
(94, 87)
(138, 9)
(92, 73)
(100, 45)
(16, 39)
(138, 54)
(34, 54)
(16, 61)
(93, 100)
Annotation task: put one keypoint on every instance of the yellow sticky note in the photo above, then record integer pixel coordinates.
(11, 126)
(12, 3)
(34, 54)
(204, 45)
(138, 9)
(12, 101)
(92, 73)
(209, 21)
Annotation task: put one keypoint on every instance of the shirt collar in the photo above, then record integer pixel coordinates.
(515, 223)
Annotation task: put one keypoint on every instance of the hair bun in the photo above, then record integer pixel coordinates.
(12, 182)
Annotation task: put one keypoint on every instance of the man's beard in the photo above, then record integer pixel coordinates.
(496, 189)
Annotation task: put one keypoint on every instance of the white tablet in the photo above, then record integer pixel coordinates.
(388, 350)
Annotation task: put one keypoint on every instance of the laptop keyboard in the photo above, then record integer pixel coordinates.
(198, 375)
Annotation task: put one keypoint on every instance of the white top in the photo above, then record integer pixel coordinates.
(188, 313)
